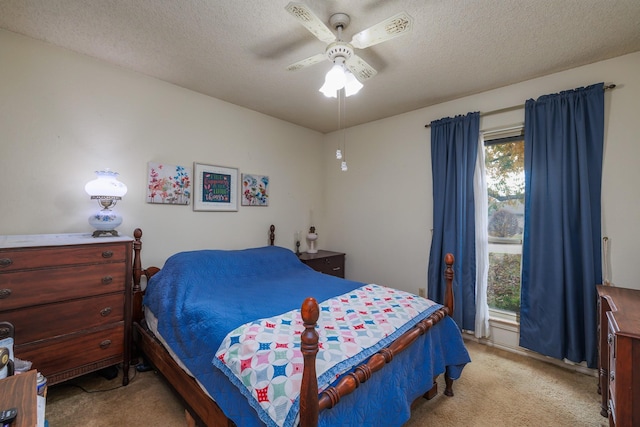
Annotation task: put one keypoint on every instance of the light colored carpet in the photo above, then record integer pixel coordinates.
(497, 389)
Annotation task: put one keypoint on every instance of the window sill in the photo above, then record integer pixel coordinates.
(504, 317)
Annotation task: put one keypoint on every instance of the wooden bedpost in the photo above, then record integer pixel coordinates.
(450, 304)
(137, 274)
(272, 234)
(309, 405)
(448, 276)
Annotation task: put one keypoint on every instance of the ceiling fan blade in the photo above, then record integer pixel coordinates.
(360, 68)
(311, 22)
(394, 26)
(307, 62)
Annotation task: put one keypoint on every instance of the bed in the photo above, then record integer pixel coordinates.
(227, 329)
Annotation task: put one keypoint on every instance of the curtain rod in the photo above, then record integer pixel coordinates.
(516, 107)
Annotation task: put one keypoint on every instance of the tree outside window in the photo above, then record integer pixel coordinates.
(504, 164)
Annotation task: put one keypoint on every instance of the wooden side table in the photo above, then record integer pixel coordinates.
(326, 262)
(19, 391)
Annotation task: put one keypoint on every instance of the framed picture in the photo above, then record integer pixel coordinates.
(254, 190)
(168, 184)
(215, 188)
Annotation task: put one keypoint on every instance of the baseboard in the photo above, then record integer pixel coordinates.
(566, 364)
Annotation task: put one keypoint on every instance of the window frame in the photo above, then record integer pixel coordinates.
(495, 137)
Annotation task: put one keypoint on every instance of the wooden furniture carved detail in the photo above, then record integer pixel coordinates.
(619, 353)
(310, 404)
(69, 299)
(326, 262)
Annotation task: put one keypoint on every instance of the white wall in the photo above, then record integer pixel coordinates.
(380, 211)
(64, 116)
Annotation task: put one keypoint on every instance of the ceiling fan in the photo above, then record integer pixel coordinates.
(340, 52)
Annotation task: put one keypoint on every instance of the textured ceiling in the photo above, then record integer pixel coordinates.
(238, 50)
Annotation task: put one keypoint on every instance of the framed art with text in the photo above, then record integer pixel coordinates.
(215, 188)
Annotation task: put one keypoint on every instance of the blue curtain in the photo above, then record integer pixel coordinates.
(561, 258)
(454, 146)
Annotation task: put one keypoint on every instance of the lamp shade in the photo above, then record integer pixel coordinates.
(335, 78)
(106, 185)
(338, 78)
(352, 85)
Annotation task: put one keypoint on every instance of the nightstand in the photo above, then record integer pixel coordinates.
(326, 262)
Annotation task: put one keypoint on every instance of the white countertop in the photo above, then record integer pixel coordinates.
(29, 240)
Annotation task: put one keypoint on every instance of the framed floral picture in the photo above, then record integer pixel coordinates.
(215, 188)
(255, 190)
(168, 184)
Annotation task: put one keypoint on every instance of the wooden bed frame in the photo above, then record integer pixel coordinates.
(204, 408)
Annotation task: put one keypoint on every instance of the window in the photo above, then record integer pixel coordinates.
(504, 164)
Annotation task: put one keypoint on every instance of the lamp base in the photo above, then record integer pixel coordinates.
(105, 222)
(105, 233)
(312, 237)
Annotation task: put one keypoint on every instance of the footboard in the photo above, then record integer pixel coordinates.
(310, 404)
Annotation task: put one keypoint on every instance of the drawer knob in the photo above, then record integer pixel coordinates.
(105, 311)
(107, 280)
(107, 254)
(5, 262)
(104, 344)
(5, 293)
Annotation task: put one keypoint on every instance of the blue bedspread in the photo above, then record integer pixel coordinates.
(200, 296)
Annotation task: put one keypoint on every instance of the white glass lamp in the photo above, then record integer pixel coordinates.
(107, 190)
(312, 236)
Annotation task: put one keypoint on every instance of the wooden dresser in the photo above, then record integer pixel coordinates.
(325, 262)
(619, 354)
(69, 299)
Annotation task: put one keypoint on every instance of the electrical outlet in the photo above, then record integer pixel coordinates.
(422, 293)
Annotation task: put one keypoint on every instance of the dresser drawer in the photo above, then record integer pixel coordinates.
(49, 321)
(25, 288)
(31, 258)
(327, 265)
(74, 351)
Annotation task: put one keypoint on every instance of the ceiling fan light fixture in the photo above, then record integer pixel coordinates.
(334, 80)
(340, 52)
(339, 77)
(328, 91)
(352, 85)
